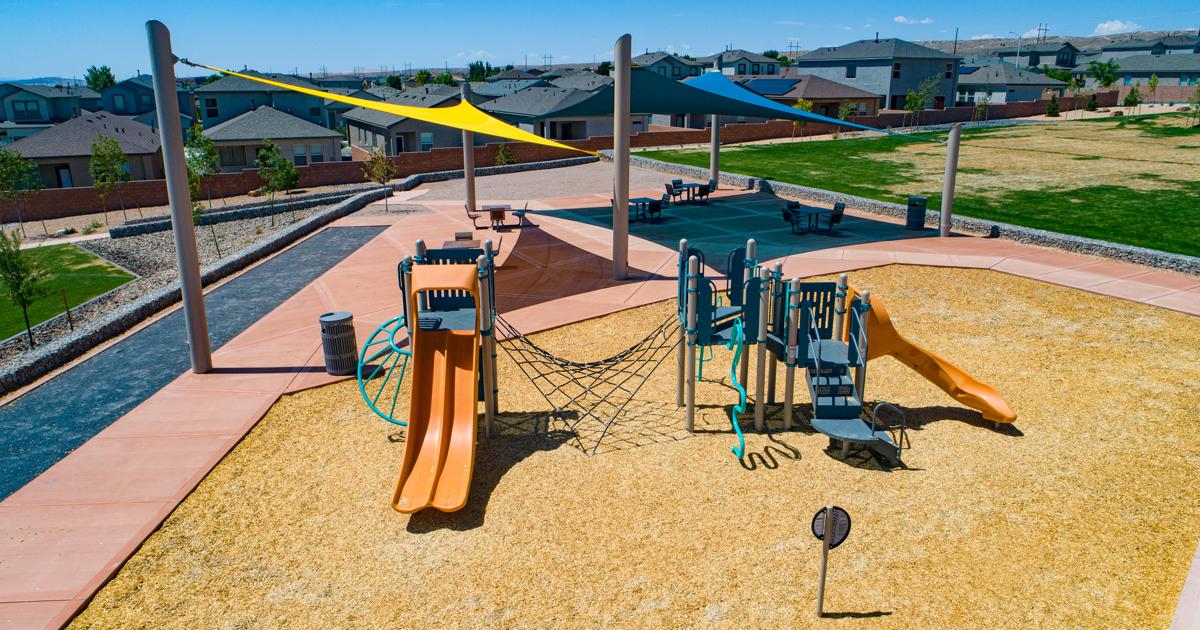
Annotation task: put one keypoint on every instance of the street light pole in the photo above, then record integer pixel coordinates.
(1017, 61)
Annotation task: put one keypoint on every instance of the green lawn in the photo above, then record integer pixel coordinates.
(81, 274)
(1064, 177)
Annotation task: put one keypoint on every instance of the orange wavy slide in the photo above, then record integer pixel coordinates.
(439, 449)
(885, 340)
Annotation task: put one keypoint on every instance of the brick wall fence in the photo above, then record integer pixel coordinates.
(57, 203)
(1165, 94)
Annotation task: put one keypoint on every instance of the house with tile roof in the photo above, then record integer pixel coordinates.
(239, 139)
(63, 152)
(230, 97)
(740, 62)
(889, 68)
(135, 96)
(369, 128)
(1003, 83)
(670, 65)
(827, 96)
(30, 103)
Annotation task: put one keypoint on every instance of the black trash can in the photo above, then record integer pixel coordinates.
(337, 338)
(916, 213)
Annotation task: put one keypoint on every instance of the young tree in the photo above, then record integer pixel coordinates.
(982, 109)
(803, 105)
(18, 177)
(1133, 98)
(395, 82)
(423, 77)
(1052, 106)
(918, 99)
(109, 167)
(202, 156)
(277, 172)
(22, 280)
(445, 78)
(1153, 85)
(1076, 85)
(1105, 72)
(98, 78)
(1092, 105)
(1194, 107)
(380, 169)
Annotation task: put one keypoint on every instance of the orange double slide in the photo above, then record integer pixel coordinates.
(439, 450)
(885, 340)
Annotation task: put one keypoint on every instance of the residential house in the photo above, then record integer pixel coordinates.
(150, 119)
(1170, 45)
(513, 73)
(135, 96)
(63, 152)
(383, 92)
(586, 81)
(826, 96)
(889, 68)
(334, 110)
(343, 81)
(740, 62)
(230, 97)
(1058, 55)
(10, 131)
(239, 139)
(369, 128)
(999, 83)
(1172, 71)
(533, 110)
(45, 103)
(670, 65)
(488, 90)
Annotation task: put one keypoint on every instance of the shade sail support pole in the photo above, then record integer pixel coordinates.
(620, 154)
(714, 151)
(948, 185)
(170, 133)
(468, 142)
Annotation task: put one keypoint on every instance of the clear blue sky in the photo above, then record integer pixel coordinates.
(63, 38)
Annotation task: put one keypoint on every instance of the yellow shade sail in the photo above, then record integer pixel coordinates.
(463, 116)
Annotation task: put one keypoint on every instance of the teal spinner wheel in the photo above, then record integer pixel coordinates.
(381, 368)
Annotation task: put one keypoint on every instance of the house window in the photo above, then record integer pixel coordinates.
(949, 71)
(118, 102)
(210, 108)
(754, 69)
(1128, 80)
(741, 68)
(426, 140)
(662, 70)
(896, 71)
(26, 110)
(675, 71)
(300, 154)
(314, 112)
(318, 153)
(231, 156)
(695, 71)
(770, 68)
(851, 71)
(144, 99)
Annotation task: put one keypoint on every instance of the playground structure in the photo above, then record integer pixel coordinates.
(830, 330)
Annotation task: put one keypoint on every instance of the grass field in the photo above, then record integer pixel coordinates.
(81, 274)
(1130, 180)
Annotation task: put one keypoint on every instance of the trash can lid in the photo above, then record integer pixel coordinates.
(918, 198)
(336, 317)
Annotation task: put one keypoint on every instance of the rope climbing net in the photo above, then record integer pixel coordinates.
(589, 398)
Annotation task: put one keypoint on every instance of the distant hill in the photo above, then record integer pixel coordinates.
(984, 47)
(44, 81)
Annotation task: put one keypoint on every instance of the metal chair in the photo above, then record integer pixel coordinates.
(835, 217)
(793, 220)
(654, 209)
(676, 194)
(702, 192)
(473, 216)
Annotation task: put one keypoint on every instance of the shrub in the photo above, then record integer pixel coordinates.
(1091, 104)
(92, 227)
(1134, 98)
(504, 156)
(1052, 106)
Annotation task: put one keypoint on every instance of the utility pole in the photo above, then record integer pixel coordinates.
(955, 41)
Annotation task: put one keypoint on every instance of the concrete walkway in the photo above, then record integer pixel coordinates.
(63, 535)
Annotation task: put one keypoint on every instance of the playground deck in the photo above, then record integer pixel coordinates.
(71, 528)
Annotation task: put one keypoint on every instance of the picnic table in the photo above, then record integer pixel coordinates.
(497, 213)
(641, 206)
(814, 215)
(690, 189)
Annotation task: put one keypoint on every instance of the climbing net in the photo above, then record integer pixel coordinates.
(589, 398)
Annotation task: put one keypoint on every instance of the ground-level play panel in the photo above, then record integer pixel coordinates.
(1084, 515)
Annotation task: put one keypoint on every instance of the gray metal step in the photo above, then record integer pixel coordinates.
(839, 385)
